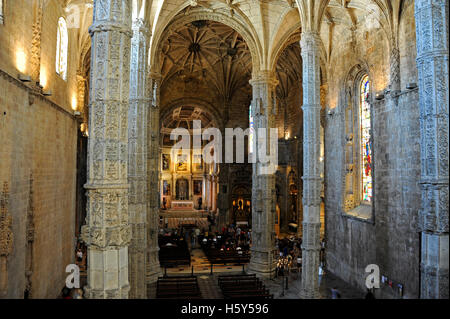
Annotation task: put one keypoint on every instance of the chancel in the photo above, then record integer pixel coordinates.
(96, 96)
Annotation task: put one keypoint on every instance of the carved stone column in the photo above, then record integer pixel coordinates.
(432, 63)
(223, 197)
(81, 94)
(153, 267)
(310, 44)
(107, 232)
(394, 60)
(137, 159)
(6, 239)
(30, 243)
(263, 252)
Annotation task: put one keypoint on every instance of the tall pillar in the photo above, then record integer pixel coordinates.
(263, 251)
(137, 159)
(223, 197)
(310, 44)
(432, 63)
(107, 232)
(153, 267)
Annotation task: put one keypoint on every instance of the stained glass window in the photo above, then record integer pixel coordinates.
(62, 43)
(366, 145)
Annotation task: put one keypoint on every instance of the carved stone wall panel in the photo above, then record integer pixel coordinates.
(137, 159)
(432, 62)
(153, 89)
(310, 44)
(263, 185)
(108, 232)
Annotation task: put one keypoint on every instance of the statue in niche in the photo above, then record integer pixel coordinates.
(165, 162)
(182, 189)
(166, 188)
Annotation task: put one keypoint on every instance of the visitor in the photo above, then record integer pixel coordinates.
(77, 294)
(66, 293)
(335, 293)
(197, 234)
(79, 255)
(238, 232)
(299, 264)
(369, 295)
(321, 272)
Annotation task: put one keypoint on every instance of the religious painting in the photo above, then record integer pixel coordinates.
(182, 192)
(198, 187)
(182, 163)
(165, 162)
(166, 188)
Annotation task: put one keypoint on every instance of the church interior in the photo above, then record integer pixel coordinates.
(92, 91)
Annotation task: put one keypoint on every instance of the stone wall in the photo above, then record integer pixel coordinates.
(38, 136)
(391, 237)
(391, 240)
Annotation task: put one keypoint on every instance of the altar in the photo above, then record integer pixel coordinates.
(182, 205)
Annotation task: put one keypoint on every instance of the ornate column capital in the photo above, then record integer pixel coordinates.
(142, 26)
(310, 41)
(264, 77)
(154, 75)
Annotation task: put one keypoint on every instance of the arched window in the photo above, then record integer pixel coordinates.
(365, 141)
(358, 147)
(62, 44)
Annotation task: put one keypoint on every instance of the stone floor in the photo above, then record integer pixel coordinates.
(328, 281)
(210, 289)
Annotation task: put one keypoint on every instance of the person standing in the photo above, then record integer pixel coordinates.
(320, 273)
(335, 293)
(369, 295)
(79, 255)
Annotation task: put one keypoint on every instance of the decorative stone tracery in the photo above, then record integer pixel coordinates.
(432, 62)
(6, 238)
(310, 44)
(137, 159)
(263, 251)
(107, 232)
(30, 242)
(153, 267)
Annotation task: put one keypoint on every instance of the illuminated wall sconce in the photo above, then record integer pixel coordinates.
(77, 113)
(379, 96)
(74, 104)
(24, 77)
(47, 93)
(411, 86)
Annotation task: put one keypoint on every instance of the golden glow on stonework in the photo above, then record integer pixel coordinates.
(74, 103)
(21, 61)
